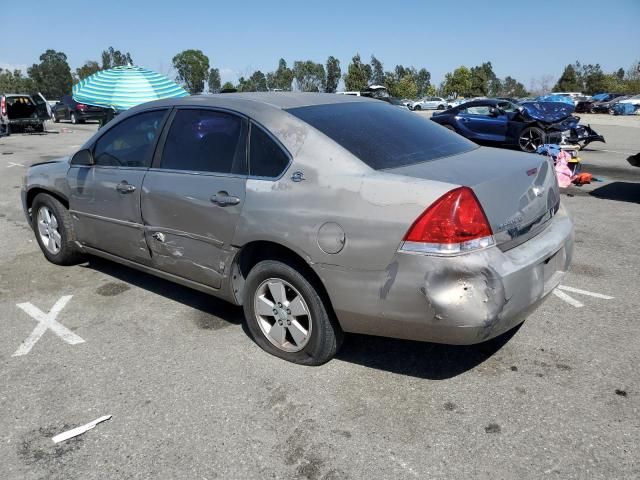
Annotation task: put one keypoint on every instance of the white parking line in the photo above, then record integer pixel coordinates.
(570, 300)
(584, 292)
(46, 321)
(14, 164)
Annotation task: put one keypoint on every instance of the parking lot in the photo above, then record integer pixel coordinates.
(191, 396)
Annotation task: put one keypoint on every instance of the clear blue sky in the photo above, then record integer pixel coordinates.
(522, 39)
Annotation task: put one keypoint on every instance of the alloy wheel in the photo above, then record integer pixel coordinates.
(530, 140)
(283, 315)
(48, 230)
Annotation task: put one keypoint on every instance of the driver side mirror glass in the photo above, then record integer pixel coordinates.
(494, 112)
(82, 157)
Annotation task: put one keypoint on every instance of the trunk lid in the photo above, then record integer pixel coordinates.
(518, 191)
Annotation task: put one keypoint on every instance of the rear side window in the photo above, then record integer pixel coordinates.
(205, 141)
(383, 136)
(130, 143)
(266, 158)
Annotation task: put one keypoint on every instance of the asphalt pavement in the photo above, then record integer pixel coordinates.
(192, 397)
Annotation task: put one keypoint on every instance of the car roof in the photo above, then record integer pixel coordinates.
(250, 101)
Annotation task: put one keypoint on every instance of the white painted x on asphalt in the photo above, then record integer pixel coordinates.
(46, 321)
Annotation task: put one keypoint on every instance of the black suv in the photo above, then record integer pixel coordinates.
(69, 109)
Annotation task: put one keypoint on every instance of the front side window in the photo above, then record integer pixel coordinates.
(205, 141)
(130, 143)
(477, 110)
(266, 158)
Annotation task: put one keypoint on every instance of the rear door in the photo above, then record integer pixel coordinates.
(194, 194)
(105, 197)
(42, 107)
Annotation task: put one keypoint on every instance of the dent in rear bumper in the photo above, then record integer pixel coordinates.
(458, 300)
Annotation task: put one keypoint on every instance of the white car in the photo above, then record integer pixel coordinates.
(429, 103)
(635, 100)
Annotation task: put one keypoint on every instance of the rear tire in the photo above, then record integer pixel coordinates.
(440, 107)
(73, 118)
(54, 231)
(54, 118)
(417, 107)
(287, 315)
(530, 139)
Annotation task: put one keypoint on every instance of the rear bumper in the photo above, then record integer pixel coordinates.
(90, 115)
(457, 300)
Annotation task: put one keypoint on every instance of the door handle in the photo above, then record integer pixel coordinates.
(125, 187)
(223, 199)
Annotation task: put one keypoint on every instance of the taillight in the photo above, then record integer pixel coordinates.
(455, 223)
(81, 106)
(3, 106)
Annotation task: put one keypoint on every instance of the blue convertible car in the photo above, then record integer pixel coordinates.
(526, 126)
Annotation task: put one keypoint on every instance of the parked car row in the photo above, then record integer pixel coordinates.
(68, 109)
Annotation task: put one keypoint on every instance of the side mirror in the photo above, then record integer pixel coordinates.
(494, 112)
(82, 157)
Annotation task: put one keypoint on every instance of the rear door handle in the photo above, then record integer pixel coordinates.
(223, 199)
(125, 187)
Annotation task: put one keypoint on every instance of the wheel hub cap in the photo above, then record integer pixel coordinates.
(48, 230)
(283, 315)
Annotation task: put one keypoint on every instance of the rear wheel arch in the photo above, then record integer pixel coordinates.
(254, 252)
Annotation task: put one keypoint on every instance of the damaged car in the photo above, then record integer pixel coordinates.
(319, 214)
(22, 112)
(526, 125)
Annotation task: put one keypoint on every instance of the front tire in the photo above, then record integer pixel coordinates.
(54, 118)
(287, 316)
(531, 138)
(53, 227)
(417, 107)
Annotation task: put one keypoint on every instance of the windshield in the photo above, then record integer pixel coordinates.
(383, 136)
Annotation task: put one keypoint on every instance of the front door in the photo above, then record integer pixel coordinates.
(192, 198)
(105, 196)
(484, 125)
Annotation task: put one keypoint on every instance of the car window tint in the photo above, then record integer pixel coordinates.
(266, 158)
(381, 135)
(130, 142)
(507, 106)
(205, 141)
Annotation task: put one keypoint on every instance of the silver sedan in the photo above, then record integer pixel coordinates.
(320, 214)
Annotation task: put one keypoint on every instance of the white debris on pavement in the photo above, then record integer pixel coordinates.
(74, 432)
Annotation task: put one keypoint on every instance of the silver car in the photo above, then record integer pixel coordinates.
(429, 103)
(318, 213)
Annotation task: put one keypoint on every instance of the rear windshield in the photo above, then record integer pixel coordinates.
(381, 135)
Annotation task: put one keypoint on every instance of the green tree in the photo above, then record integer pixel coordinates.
(358, 75)
(259, 81)
(115, 58)
(214, 80)
(333, 74)
(245, 85)
(192, 67)
(512, 88)
(483, 80)
(227, 86)
(280, 79)
(15, 82)
(458, 82)
(423, 82)
(52, 76)
(309, 76)
(89, 68)
(569, 81)
(377, 71)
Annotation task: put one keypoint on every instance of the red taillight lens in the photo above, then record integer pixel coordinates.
(3, 106)
(454, 223)
(81, 106)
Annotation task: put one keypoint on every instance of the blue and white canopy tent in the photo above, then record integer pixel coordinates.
(122, 88)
